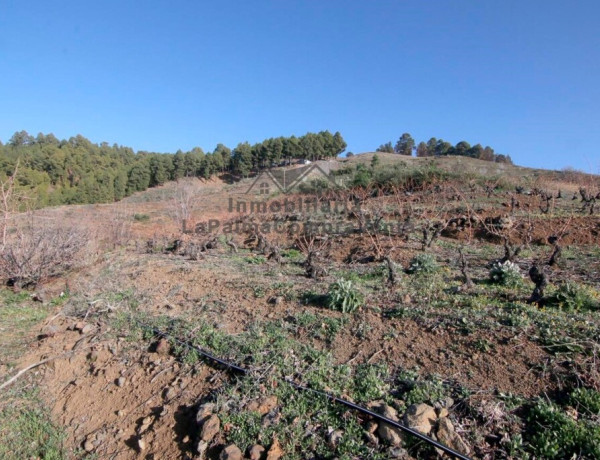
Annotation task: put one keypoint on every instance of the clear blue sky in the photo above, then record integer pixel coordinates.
(520, 76)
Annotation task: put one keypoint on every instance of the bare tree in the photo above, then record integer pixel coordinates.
(184, 203)
(11, 200)
(118, 230)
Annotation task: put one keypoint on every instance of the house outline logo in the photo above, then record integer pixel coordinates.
(286, 183)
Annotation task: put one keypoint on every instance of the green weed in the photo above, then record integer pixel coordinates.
(343, 296)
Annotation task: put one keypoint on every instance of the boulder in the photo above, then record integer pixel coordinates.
(210, 428)
(275, 451)
(448, 436)
(231, 452)
(204, 411)
(386, 432)
(421, 417)
(256, 452)
(264, 405)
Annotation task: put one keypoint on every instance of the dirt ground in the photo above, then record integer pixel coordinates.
(120, 399)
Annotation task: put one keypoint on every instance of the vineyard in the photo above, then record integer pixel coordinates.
(455, 297)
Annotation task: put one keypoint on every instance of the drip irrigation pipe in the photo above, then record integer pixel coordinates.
(330, 397)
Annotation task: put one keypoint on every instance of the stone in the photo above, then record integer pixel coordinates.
(448, 436)
(204, 411)
(120, 382)
(371, 427)
(202, 448)
(231, 452)
(390, 434)
(163, 347)
(210, 428)
(371, 438)
(386, 432)
(443, 412)
(88, 328)
(572, 412)
(421, 417)
(47, 331)
(447, 402)
(146, 422)
(264, 405)
(88, 445)
(399, 405)
(256, 452)
(389, 412)
(334, 438)
(398, 453)
(37, 297)
(275, 451)
(169, 393)
(141, 444)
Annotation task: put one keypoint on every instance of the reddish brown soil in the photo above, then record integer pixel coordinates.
(220, 288)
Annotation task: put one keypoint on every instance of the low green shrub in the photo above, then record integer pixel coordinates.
(370, 382)
(423, 263)
(555, 434)
(141, 217)
(255, 260)
(586, 401)
(343, 296)
(571, 296)
(506, 274)
(291, 253)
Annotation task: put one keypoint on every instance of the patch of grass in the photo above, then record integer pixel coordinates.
(26, 430)
(374, 273)
(286, 290)
(321, 327)
(255, 260)
(292, 254)
(483, 345)
(554, 434)
(18, 314)
(371, 383)
(29, 433)
(273, 353)
(415, 389)
(258, 291)
(138, 217)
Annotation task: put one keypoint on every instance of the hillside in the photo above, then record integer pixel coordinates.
(450, 295)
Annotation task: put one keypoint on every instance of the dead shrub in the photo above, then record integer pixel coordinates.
(37, 252)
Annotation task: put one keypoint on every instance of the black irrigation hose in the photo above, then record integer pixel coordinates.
(330, 397)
